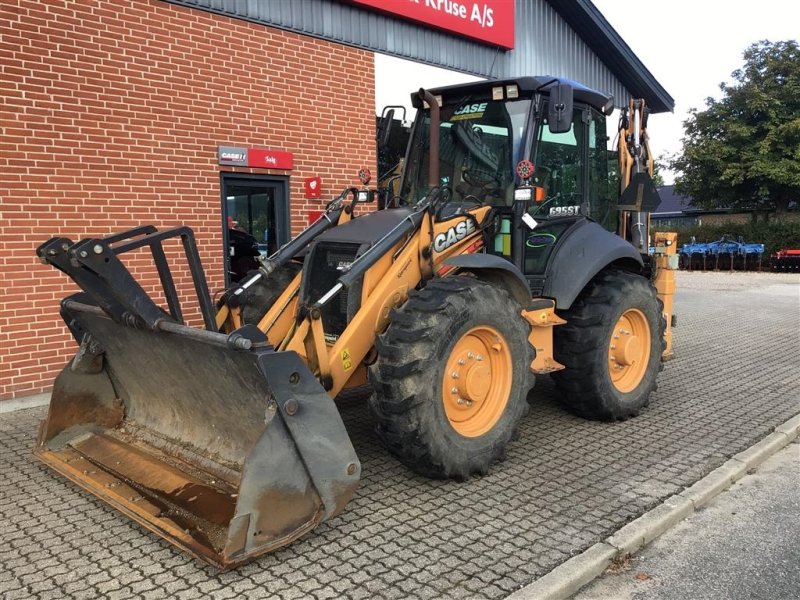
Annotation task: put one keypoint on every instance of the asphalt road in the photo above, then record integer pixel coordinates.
(744, 545)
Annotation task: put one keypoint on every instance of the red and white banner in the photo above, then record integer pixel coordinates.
(489, 21)
(269, 159)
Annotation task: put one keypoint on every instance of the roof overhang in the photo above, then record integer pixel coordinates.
(600, 36)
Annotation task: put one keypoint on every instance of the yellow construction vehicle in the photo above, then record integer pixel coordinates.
(492, 264)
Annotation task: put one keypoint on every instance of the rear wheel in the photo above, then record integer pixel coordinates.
(611, 347)
(451, 378)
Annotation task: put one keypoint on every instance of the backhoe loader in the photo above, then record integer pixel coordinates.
(503, 256)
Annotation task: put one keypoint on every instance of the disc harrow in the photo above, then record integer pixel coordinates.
(723, 255)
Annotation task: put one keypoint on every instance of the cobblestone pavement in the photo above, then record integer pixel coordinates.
(567, 483)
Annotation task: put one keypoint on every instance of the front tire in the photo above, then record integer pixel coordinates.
(611, 347)
(451, 379)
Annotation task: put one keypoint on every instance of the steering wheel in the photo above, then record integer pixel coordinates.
(484, 184)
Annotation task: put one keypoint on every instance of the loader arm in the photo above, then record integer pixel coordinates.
(392, 267)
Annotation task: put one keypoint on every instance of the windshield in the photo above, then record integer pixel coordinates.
(479, 144)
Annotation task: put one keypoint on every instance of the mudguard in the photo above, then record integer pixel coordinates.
(495, 270)
(581, 254)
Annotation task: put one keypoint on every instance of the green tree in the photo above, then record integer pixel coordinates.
(743, 151)
(658, 178)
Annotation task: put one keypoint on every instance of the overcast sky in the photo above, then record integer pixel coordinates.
(689, 46)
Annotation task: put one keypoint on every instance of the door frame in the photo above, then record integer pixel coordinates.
(229, 179)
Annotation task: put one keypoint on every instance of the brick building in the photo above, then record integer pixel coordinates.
(118, 113)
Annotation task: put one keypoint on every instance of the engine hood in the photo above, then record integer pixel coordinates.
(368, 228)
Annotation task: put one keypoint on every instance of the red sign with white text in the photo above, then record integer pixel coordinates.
(489, 21)
(269, 159)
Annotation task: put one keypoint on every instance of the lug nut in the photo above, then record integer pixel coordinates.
(454, 390)
(454, 374)
(461, 361)
(479, 357)
(290, 407)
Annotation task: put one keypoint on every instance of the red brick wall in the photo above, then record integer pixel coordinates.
(111, 116)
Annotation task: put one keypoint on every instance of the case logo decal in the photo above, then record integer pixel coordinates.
(453, 235)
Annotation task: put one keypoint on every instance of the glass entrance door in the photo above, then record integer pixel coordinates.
(255, 216)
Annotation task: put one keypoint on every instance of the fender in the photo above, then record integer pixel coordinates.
(495, 270)
(585, 251)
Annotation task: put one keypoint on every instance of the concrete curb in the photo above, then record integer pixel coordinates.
(7, 406)
(570, 576)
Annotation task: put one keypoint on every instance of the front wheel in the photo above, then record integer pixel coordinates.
(611, 347)
(452, 376)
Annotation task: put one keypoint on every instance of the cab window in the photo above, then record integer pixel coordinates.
(602, 201)
(559, 168)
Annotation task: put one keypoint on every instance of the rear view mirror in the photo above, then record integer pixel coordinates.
(383, 133)
(385, 128)
(559, 112)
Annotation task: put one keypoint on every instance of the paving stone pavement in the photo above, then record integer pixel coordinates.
(567, 483)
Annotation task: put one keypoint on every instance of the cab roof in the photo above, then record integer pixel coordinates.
(482, 90)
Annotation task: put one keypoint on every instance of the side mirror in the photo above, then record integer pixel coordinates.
(384, 131)
(559, 112)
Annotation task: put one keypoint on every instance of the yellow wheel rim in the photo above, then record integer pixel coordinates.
(629, 350)
(477, 381)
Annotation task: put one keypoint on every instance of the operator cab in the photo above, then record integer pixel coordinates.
(487, 128)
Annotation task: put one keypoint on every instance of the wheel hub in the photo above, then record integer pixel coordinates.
(629, 350)
(477, 381)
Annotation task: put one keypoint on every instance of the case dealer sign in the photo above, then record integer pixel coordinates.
(235, 156)
(488, 21)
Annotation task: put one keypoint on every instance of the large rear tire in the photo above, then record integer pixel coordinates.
(451, 379)
(611, 347)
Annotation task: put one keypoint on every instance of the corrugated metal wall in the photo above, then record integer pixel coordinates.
(545, 44)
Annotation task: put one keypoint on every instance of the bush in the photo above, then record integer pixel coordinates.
(775, 235)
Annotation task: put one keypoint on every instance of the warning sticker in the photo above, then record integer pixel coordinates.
(347, 362)
(469, 111)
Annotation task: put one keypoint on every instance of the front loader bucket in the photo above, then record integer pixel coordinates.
(226, 453)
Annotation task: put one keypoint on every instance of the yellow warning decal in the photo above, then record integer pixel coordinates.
(347, 362)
